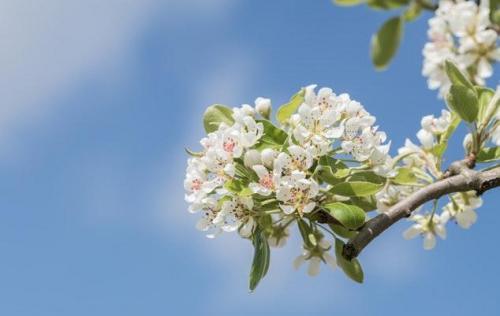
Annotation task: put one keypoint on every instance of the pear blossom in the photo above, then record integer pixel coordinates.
(207, 222)
(298, 159)
(296, 193)
(267, 156)
(251, 158)
(461, 32)
(267, 181)
(428, 226)
(315, 256)
(462, 208)
(263, 107)
(234, 214)
(317, 121)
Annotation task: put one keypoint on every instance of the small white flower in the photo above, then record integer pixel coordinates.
(266, 183)
(268, 155)
(299, 159)
(235, 213)
(251, 158)
(462, 208)
(296, 194)
(428, 226)
(315, 256)
(263, 107)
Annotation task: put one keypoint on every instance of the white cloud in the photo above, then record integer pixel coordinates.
(49, 47)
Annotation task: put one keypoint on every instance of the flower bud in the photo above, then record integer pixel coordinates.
(252, 158)
(467, 143)
(263, 107)
(268, 155)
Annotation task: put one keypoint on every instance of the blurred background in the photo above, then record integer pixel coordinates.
(98, 100)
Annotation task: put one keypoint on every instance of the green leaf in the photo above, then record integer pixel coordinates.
(356, 188)
(484, 97)
(305, 231)
(405, 176)
(413, 11)
(193, 153)
(488, 154)
(350, 216)
(464, 102)
(348, 2)
(367, 176)
(366, 203)
(385, 43)
(351, 268)
(243, 172)
(215, 115)
(342, 231)
(238, 187)
(287, 109)
(273, 137)
(494, 11)
(456, 76)
(261, 258)
(331, 170)
(387, 4)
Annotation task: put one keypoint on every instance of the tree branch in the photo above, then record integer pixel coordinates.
(465, 180)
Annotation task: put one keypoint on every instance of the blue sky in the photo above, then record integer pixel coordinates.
(98, 100)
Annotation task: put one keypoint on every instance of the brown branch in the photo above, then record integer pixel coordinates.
(465, 180)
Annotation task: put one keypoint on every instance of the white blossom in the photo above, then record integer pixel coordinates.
(462, 208)
(428, 226)
(460, 32)
(235, 213)
(266, 183)
(296, 193)
(263, 106)
(315, 256)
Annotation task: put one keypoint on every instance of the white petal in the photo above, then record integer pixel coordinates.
(298, 261)
(429, 241)
(314, 264)
(412, 232)
(330, 260)
(260, 170)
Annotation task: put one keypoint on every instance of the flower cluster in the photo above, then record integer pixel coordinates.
(254, 177)
(420, 162)
(461, 31)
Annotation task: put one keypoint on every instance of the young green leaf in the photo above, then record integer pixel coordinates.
(464, 102)
(386, 41)
(356, 188)
(261, 258)
(456, 76)
(413, 11)
(342, 231)
(350, 216)
(387, 4)
(488, 154)
(351, 268)
(287, 109)
(484, 97)
(215, 115)
(193, 153)
(331, 170)
(348, 2)
(273, 137)
(405, 176)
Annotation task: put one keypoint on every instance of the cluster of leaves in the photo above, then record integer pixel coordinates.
(473, 105)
